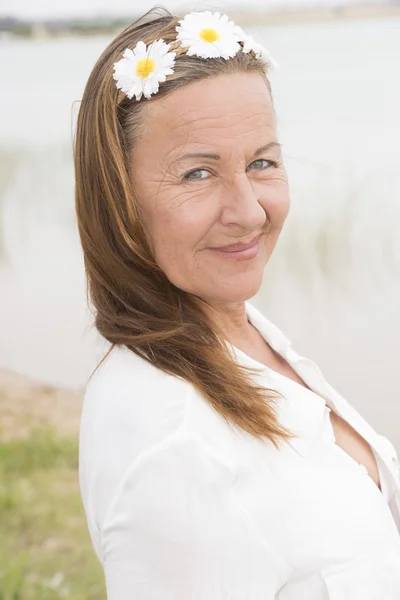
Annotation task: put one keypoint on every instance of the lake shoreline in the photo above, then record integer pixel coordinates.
(287, 17)
(68, 29)
(26, 404)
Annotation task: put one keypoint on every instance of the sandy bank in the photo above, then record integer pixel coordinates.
(26, 404)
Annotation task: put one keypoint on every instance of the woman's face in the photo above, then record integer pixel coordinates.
(208, 173)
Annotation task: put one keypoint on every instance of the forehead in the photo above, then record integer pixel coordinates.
(215, 112)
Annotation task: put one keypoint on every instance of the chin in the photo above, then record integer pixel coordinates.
(239, 289)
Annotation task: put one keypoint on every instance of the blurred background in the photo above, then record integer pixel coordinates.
(333, 283)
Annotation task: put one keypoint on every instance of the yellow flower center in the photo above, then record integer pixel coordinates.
(209, 35)
(144, 67)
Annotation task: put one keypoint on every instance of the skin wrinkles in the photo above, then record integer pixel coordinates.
(264, 148)
(229, 202)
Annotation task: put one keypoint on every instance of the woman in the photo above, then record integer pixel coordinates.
(215, 462)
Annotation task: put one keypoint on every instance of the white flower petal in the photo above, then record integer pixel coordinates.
(150, 86)
(128, 54)
(169, 61)
(125, 70)
(137, 91)
(158, 48)
(140, 50)
(131, 90)
(189, 34)
(250, 45)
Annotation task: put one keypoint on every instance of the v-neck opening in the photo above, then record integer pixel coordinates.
(260, 366)
(324, 403)
(317, 397)
(263, 367)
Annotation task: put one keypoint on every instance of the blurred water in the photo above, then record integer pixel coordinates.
(333, 283)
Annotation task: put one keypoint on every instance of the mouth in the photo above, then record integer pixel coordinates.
(240, 251)
(239, 246)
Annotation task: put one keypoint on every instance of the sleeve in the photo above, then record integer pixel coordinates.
(175, 531)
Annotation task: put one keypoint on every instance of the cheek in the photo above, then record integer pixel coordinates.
(177, 233)
(277, 205)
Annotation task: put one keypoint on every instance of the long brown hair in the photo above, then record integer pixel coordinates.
(135, 304)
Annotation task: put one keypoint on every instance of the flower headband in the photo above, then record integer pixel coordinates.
(206, 35)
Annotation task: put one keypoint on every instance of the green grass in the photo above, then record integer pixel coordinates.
(45, 549)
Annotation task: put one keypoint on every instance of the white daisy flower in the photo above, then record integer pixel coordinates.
(259, 51)
(142, 69)
(208, 35)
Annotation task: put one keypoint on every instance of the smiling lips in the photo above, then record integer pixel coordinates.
(240, 246)
(239, 251)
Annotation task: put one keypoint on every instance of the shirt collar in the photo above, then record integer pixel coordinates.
(270, 332)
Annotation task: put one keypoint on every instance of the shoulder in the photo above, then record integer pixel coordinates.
(129, 406)
(126, 388)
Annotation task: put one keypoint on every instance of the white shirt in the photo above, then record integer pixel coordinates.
(182, 506)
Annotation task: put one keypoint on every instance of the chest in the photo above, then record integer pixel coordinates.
(309, 500)
(349, 440)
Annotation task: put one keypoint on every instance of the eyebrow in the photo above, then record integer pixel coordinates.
(264, 148)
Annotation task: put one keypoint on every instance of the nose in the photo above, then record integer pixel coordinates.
(240, 204)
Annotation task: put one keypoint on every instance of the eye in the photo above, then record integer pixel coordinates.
(196, 175)
(261, 164)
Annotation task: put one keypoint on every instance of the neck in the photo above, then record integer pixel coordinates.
(231, 318)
